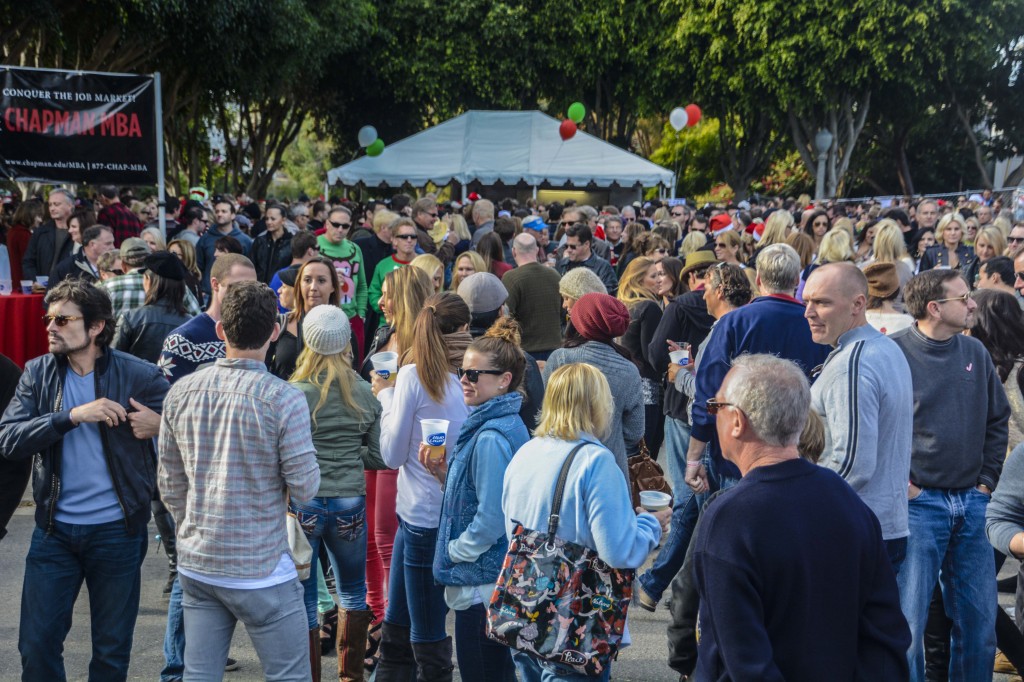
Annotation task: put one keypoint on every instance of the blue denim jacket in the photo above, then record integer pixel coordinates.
(471, 512)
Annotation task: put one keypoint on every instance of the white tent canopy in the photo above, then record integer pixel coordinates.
(501, 146)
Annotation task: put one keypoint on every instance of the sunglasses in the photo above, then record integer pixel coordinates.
(405, 236)
(1014, 240)
(966, 297)
(714, 406)
(340, 225)
(61, 320)
(677, 215)
(661, 250)
(474, 374)
(567, 223)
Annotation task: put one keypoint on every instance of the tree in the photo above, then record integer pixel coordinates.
(694, 155)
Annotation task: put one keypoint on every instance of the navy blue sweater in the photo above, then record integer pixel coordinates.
(795, 583)
(769, 324)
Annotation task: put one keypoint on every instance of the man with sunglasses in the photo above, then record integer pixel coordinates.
(960, 435)
(578, 253)
(94, 474)
(425, 215)
(403, 239)
(1015, 242)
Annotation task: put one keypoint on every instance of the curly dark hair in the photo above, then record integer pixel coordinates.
(734, 283)
(94, 303)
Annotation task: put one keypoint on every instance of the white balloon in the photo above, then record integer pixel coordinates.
(367, 135)
(678, 118)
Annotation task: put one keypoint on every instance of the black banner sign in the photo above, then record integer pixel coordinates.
(68, 126)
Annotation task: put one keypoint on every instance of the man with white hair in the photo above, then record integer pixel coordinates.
(483, 219)
(533, 299)
(792, 538)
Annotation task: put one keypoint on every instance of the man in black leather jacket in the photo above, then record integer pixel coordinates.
(77, 413)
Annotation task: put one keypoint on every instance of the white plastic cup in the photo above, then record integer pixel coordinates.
(26, 286)
(655, 500)
(680, 357)
(385, 365)
(6, 287)
(43, 281)
(435, 433)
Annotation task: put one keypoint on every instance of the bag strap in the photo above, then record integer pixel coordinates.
(556, 502)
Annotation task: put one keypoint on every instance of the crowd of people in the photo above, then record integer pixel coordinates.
(790, 366)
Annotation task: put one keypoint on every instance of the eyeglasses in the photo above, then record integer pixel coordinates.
(474, 374)
(1018, 275)
(661, 250)
(572, 247)
(432, 215)
(567, 223)
(405, 236)
(1014, 240)
(340, 225)
(966, 297)
(677, 215)
(61, 320)
(714, 405)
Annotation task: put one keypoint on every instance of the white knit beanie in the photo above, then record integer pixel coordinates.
(326, 330)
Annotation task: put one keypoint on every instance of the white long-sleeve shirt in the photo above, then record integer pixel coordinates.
(419, 493)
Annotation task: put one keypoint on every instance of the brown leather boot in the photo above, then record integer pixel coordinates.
(314, 654)
(352, 629)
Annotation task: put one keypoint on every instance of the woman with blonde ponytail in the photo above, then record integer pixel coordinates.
(414, 642)
(471, 549)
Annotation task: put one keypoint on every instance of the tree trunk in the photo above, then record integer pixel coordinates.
(902, 164)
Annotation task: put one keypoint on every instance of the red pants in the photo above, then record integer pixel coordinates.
(382, 524)
(358, 351)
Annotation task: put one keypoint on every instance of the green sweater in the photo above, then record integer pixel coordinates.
(377, 285)
(346, 442)
(348, 261)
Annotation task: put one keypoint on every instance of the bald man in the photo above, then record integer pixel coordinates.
(865, 396)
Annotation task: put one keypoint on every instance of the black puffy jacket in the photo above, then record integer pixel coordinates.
(142, 331)
(36, 420)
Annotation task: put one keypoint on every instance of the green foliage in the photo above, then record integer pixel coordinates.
(694, 154)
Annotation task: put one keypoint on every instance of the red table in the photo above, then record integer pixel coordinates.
(22, 331)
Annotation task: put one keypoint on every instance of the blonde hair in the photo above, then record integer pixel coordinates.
(631, 288)
(158, 237)
(776, 228)
(577, 400)
(459, 226)
(803, 244)
(888, 246)
(994, 236)
(429, 264)
(478, 265)
(655, 242)
(692, 242)
(324, 370)
(443, 313)
(660, 214)
(812, 440)
(846, 224)
(382, 219)
(945, 222)
(188, 256)
(836, 246)
(408, 288)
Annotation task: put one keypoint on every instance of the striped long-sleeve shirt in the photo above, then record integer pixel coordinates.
(866, 398)
(233, 438)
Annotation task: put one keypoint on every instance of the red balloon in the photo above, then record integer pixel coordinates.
(693, 115)
(567, 129)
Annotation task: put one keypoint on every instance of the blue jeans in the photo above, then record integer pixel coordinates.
(415, 601)
(677, 442)
(532, 670)
(108, 559)
(685, 513)
(480, 658)
(947, 544)
(174, 638)
(273, 618)
(341, 523)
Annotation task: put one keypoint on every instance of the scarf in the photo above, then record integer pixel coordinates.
(456, 343)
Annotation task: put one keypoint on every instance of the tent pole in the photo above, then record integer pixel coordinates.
(535, 191)
(161, 191)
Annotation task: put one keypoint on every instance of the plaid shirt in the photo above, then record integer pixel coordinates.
(233, 438)
(121, 220)
(126, 293)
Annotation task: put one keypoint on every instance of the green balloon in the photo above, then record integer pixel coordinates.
(375, 148)
(577, 111)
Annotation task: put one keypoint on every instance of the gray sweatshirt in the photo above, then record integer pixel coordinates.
(1004, 516)
(960, 411)
(865, 397)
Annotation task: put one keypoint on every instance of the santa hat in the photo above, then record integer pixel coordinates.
(720, 223)
(756, 229)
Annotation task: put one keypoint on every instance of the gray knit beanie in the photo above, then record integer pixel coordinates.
(580, 281)
(326, 330)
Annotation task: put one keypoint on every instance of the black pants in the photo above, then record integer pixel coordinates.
(14, 476)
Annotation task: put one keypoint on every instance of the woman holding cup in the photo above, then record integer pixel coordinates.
(471, 544)
(413, 637)
(596, 510)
